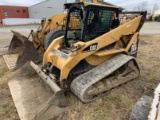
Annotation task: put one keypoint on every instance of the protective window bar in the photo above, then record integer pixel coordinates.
(75, 24)
(98, 22)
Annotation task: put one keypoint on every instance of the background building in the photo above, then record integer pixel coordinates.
(13, 12)
(14, 15)
(46, 9)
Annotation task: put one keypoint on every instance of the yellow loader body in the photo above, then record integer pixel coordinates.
(95, 55)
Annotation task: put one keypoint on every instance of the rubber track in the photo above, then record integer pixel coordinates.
(84, 81)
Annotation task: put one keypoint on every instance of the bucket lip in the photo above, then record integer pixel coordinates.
(10, 60)
(29, 92)
(53, 101)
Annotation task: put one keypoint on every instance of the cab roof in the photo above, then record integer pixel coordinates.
(85, 4)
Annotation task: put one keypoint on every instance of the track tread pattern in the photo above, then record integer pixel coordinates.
(84, 81)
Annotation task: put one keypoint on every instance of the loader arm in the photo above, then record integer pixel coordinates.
(143, 19)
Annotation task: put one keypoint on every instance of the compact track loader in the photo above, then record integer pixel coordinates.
(95, 55)
(21, 49)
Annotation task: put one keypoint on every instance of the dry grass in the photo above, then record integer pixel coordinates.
(3, 70)
(7, 108)
(115, 105)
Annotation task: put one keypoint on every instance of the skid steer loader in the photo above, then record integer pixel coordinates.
(21, 49)
(94, 56)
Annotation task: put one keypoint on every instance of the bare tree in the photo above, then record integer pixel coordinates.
(144, 6)
(141, 7)
(137, 8)
(155, 7)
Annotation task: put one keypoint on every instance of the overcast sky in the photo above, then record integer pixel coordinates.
(128, 4)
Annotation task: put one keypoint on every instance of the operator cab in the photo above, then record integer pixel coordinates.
(86, 22)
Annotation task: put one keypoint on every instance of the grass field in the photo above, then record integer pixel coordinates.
(117, 104)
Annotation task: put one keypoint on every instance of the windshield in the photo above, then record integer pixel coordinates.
(74, 26)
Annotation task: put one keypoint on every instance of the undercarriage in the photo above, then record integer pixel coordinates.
(96, 82)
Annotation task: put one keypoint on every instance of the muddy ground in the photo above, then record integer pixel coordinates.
(116, 105)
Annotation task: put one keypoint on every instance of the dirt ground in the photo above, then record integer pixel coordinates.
(116, 105)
